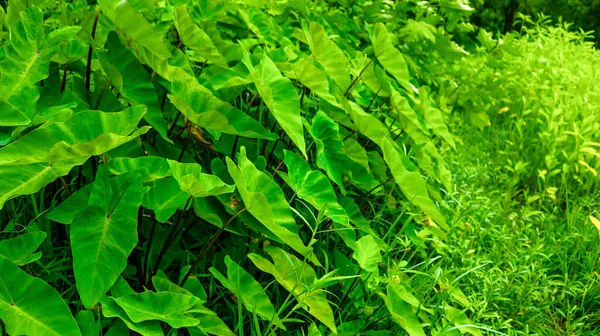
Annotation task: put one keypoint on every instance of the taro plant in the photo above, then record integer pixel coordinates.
(221, 168)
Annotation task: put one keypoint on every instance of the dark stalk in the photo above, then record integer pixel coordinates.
(208, 246)
(237, 137)
(350, 289)
(88, 68)
(174, 124)
(357, 78)
(373, 189)
(94, 161)
(65, 185)
(163, 101)
(274, 146)
(372, 100)
(63, 81)
(170, 238)
(147, 255)
(185, 144)
(100, 96)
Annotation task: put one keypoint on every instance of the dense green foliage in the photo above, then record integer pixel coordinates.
(294, 168)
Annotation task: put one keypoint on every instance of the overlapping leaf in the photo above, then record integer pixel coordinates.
(279, 95)
(104, 234)
(29, 306)
(54, 149)
(297, 277)
(205, 110)
(264, 200)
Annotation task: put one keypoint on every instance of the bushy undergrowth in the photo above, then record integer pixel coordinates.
(524, 193)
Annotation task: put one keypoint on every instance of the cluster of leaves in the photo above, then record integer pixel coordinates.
(224, 167)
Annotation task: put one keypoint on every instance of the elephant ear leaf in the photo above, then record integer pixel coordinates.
(297, 278)
(248, 290)
(21, 249)
(390, 57)
(53, 149)
(367, 253)
(330, 153)
(105, 233)
(133, 24)
(132, 81)
(279, 95)
(205, 110)
(25, 62)
(328, 54)
(410, 181)
(195, 38)
(29, 306)
(314, 187)
(172, 308)
(401, 312)
(265, 200)
(195, 183)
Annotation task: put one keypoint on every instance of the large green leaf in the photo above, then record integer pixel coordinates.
(279, 95)
(197, 184)
(25, 62)
(205, 110)
(20, 250)
(330, 153)
(52, 150)
(132, 81)
(390, 57)
(367, 253)
(172, 308)
(104, 234)
(328, 54)
(366, 123)
(264, 200)
(314, 187)
(245, 288)
(410, 181)
(66, 211)
(195, 38)
(402, 313)
(434, 118)
(133, 23)
(29, 306)
(297, 278)
(165, 197)
(110, 308)
(154, 167)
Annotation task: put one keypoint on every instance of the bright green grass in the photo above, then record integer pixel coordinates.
(541, 270)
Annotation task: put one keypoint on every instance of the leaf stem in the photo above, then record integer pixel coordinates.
(170, 238)
(357, 78)
(100, 96)
(88, 68)
(350, 289)
(63, 81)
(208, 246)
